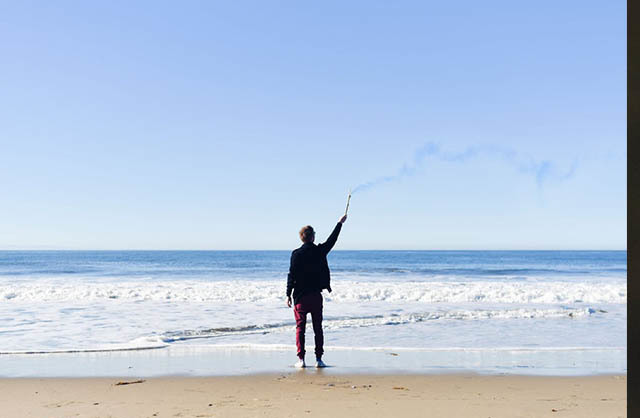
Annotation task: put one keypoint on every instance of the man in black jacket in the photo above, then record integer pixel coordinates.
(308, 275)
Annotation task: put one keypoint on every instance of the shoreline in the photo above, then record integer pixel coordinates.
(304, 394)
(313, 373)
(210, 361)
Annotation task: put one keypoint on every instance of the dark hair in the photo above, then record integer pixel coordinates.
(306, 233)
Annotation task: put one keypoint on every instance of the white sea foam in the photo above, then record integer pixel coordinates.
(344, 291)
(393, 319)
(142, 343)
(329, 324)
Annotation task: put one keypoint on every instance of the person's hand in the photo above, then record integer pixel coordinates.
(289, 301)
(343, 219)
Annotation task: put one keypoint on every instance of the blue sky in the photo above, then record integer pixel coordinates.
(229, 125)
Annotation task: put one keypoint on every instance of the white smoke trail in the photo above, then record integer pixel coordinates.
(544, 170)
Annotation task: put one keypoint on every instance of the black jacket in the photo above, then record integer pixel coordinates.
(309, 270)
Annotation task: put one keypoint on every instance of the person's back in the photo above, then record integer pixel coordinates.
(308, 275)
(310, 269)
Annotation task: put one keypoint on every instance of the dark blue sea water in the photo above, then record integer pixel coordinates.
(267, 265)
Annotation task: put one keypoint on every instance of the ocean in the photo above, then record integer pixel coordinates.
(565, 310)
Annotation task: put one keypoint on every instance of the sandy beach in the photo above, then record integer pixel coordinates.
(314, 393)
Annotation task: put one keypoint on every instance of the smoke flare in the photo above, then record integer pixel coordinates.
(543, 171)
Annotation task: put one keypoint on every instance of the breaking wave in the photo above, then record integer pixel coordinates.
(344, 291)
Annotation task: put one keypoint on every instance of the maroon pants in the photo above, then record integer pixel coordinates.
(309, 303)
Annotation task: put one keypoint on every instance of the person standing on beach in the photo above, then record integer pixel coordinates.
(308, 276)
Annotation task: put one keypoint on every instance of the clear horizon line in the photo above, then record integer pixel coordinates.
(289, 249)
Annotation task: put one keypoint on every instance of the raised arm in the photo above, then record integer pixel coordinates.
(331, 241)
